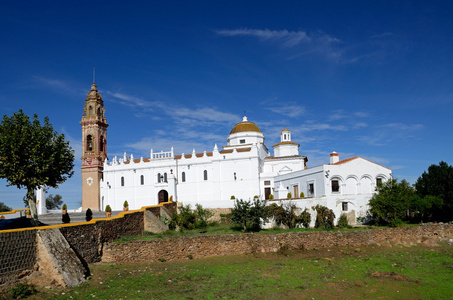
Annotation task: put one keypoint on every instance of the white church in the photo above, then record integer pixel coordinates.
(243, 169)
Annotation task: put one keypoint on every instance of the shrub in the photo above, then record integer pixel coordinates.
(343, 221)
(286, 215)
(289, 195)
(162, 259)
(88, 215)
(305, 218)
(302, 195)
(225, 218)
(324, 217)
(66, 218)
(108, 208)
(190, 219)
(125, 204)
(271, 196)
(65, 207)
(22, 290)
(248, 214)
(190, 256)
(255, 197)
(232, 197)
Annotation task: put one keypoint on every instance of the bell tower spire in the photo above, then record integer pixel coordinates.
(94, 148)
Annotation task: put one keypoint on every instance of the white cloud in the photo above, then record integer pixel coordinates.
(287, 38)
(287, 110)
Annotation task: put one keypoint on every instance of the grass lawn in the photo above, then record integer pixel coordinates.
(370, 272)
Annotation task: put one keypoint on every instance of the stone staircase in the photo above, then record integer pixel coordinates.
(55, 219)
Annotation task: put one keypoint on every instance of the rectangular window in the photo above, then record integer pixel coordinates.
(344, 206)
(242, 141)
(335, 186)
(311, 190)
(267, 182)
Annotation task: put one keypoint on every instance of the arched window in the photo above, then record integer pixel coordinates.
(335, 186)
(101, 144)
(183, 176)
(158, 177)
(165, 177)
(142, 179)
(122, 181)
(205, 175)
(235, 176)
(89, 143)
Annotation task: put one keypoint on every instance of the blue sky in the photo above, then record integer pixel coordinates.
(373, 79)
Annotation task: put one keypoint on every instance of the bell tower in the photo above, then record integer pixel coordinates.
(94, 148)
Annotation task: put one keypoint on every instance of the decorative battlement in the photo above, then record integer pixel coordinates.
(161, 154)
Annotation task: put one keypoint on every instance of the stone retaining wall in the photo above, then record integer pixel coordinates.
(214, 245)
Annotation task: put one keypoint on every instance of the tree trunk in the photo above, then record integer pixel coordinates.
(32, 204)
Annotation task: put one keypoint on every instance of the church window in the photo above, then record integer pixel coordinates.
(165, 177)
(335, 186)
(158, 178)
(89, 143)
(122, 181)
(142, 179)
(311, 190)
(205, 175)
(344, 206)
(183, 176)
(378, 181)
(242, 141)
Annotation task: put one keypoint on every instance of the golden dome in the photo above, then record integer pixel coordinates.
(245, 126)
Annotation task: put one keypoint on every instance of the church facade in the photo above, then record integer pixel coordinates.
(242, 169)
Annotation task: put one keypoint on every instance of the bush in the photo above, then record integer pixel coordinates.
(248, 214)
(289, 195)
(324, 217)
(125, 204)
(286, 215)
(190, 219)
(66, 218)
(232, 197)
(88, 215)
(65, 207)
(271, 197)
(302, 195)
(108, 208)
(343, 221)
(22, 290)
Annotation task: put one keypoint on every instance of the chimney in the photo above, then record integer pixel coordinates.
(334, 158)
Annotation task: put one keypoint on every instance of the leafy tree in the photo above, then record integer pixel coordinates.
(33, 155)
(54, 202)
(424, 208)
(438, 181)
(4, 207)
(392, 201)
(247, 213)
(324, 217)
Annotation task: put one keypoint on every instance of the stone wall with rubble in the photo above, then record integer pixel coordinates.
(229, 244)
(17, 254)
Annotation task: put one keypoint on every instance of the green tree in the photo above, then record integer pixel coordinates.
(33, 155)
(392, 201)
(4, 207)
(54, 202)
(248, 214)
(438, 181)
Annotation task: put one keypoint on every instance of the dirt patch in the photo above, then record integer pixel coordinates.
(389, 275)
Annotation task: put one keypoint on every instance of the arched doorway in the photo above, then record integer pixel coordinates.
(163, 196)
